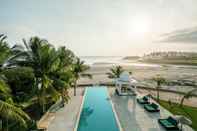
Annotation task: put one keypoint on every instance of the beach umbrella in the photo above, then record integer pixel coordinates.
(183, 120)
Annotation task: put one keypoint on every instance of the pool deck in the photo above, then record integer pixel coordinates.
(133, 116)
(65, 118)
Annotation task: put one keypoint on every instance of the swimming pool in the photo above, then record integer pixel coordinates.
(97, 112)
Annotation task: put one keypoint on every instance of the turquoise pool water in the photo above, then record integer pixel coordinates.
(97, 113)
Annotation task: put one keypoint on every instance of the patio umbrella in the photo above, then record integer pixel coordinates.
(183, 120)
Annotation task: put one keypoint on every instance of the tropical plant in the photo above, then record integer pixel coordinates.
(159, 80)
(63, 77)
(66, 57)
(188, 95)
(115, 72)
(43, 59)
(8, 110)
(32, 74)
(78, 71)
(20, 81)
(4, 50)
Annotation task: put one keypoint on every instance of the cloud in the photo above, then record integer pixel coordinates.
(187, 35)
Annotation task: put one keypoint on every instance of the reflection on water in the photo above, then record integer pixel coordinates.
(85, 114)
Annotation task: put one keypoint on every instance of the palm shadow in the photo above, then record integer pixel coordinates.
(85, 114)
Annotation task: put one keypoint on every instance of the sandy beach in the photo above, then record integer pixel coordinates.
(144, 73)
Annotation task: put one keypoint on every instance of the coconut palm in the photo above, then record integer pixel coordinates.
(187, 96)
(63, 76)
(159, 80)
(78, 71)
(8, 110)
(115, 72)
(43, 59)
(66, 57)
(4, 50)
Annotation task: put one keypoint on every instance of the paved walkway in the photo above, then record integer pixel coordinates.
(133, 117)
(65, 118)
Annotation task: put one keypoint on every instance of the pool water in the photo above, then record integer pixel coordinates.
(97, 113)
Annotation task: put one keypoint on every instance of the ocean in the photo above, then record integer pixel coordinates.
(112, 60)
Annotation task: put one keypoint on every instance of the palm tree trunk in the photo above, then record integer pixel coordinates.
(75, 88)
(157, 94)
(182, 101)
(62, 93)
(43, 103)
(43, 108)
(63, 101)
(7, 125)
(42, 100)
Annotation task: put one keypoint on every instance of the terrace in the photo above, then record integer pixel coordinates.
(130, 114)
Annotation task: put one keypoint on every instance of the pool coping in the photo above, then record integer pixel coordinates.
(115, 113)
(80, 110)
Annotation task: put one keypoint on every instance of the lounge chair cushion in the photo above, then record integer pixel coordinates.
(148, 107)
(166, 123)
(155, 106)
(173, 121)
(151, 107)
(169, 123)
(143, 100)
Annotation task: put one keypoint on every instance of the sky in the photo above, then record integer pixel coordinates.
(103, 27)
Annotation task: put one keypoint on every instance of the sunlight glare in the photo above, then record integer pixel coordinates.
(139, 26)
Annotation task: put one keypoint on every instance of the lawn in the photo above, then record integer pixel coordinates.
(189, 112)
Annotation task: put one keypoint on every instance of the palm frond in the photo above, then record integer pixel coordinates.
(115, 72)
(10, 112)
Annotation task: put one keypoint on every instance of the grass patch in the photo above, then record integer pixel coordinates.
(189, 112)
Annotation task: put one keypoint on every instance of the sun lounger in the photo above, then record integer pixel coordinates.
(170, 124)
(151, 107)
(143, 100)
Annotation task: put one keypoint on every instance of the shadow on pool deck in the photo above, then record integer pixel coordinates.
(65, 118)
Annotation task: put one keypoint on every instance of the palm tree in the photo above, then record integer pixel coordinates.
(8, 110)
(63, 76)
(78, 71)
(66, 57)
(4, 50)
(159, 80)
(187, 96)
(43, 59)
(115, 72)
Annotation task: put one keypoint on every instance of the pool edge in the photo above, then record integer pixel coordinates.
(80, 110)
(114, 111)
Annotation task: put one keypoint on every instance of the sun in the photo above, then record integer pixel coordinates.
(139, 26)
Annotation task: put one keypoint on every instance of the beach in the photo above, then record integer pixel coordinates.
(142, 72)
